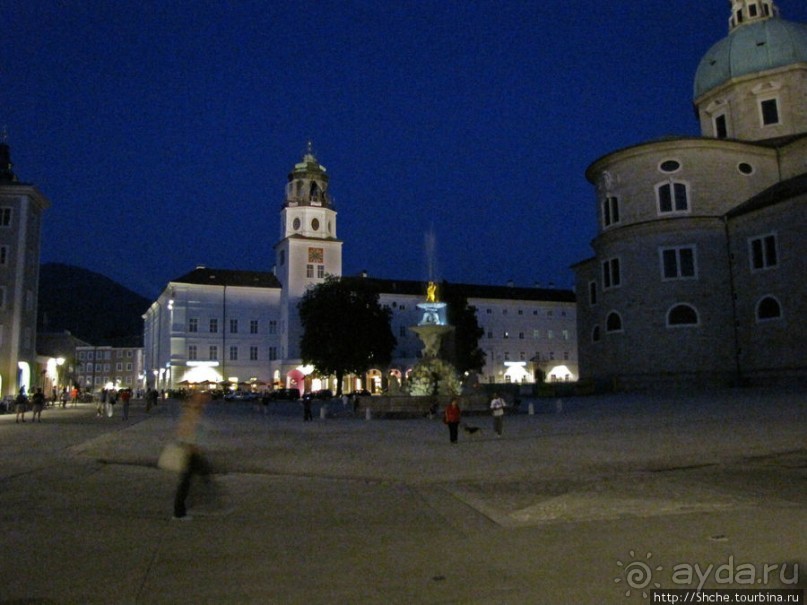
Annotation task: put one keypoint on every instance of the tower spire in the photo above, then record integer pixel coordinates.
(744, 12)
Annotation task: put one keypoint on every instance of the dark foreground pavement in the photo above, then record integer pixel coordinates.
(601, 503)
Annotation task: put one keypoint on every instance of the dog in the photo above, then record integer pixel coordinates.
(470, 429)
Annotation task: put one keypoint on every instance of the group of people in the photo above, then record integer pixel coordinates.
(452, 416)
(37, 405)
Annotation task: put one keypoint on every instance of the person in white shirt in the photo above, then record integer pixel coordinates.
(497, 406)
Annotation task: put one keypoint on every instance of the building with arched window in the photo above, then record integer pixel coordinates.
(699, 259)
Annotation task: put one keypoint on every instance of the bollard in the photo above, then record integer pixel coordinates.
(322, 412)
(559, 406)
(531, 409)
(368, 415)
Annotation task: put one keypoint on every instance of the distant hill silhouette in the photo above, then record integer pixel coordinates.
(91, 306)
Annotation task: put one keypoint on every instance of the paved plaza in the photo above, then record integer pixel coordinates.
(344, 510)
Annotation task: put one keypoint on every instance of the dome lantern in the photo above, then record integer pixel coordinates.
(751, 11)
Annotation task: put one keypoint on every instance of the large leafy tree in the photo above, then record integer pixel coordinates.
(345, 330)
(463, 347)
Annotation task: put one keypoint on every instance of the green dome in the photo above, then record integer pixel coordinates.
(749, 49)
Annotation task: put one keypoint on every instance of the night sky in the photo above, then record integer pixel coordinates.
(163, 131)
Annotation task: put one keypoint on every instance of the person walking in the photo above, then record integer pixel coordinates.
(196, 463)
(497, 406)
(452, 416)
(38, 403)
(20, 406)
(125, 397)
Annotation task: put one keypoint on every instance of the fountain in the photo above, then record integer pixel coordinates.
(432, 375)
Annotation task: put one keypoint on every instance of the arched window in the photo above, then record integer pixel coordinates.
(768, 308)
(595, 334)
(613, 323)
(682, 315)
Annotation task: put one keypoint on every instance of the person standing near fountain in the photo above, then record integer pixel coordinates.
(497, 406)
(451, 417)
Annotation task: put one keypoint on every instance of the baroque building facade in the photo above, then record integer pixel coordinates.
(21, 209)
(699, 260)
(242, 327)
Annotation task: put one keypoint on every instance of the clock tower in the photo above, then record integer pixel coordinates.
(308, 249)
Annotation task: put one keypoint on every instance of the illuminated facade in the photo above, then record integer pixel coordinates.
(21, 210)
(698, 272)
(241, 327)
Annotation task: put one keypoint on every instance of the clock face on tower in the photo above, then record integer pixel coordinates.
(316, 255)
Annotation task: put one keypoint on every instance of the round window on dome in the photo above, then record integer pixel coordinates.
(745, 168)
(670, 166)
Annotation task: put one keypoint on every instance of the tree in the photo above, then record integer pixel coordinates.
(465, 354)
(345, 330)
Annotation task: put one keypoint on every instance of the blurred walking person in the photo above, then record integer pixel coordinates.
(452, 417)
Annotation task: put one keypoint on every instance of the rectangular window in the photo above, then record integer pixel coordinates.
(309, 270)
(610, 211)
(214, 353)
(233, 353)
(592, 293)
(193, 324)
(673, 197)
(214, 325)
(611, 277)
(128, 367)
(402, 331)
(678, 263)
(272, 353)
(118, 367)
(770, 112)
(192, 353)
(233, 326)
(253, 326)
(273, 326)
(320, 271)
(763, 252)
(5, 217)
(253, 353)
(3, 255)
(721, 128)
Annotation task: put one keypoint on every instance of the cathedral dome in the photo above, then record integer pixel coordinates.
(752, 48)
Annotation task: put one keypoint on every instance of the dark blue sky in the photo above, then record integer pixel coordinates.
(163, 131)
